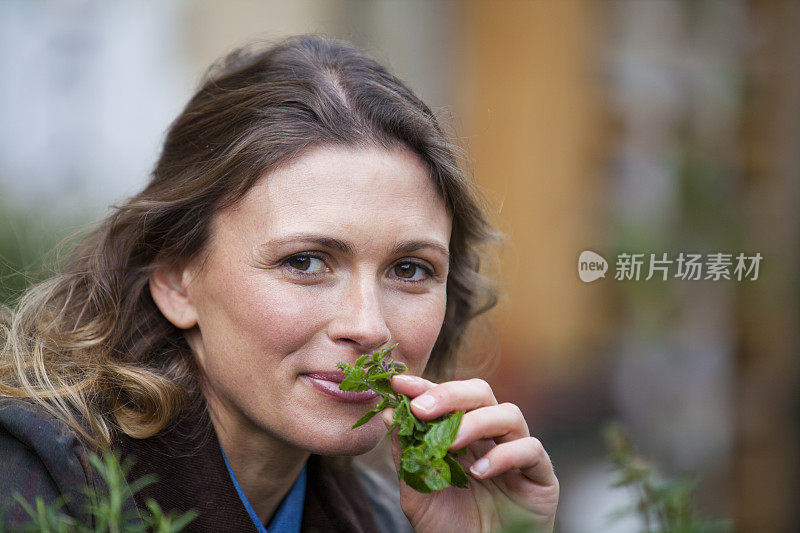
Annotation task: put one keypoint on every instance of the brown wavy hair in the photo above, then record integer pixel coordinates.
(91, 346)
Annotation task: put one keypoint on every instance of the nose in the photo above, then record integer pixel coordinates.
(359, 319)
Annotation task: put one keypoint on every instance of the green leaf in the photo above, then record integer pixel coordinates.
(415, 458)
(404, 418)
(360, 360)
(369, 414)
(425, 463)
(382, 387)
(441, 434)
(420, 427)
(415, 481)
(458, 477)
(437, 475)
(354, 381)
(378, 375)
(407, 441)
(366, 418)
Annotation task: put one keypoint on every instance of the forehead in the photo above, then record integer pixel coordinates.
(341, 189)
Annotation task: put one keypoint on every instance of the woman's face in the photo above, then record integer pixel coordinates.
(337, 254)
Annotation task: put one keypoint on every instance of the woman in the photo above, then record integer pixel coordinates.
(306, 209)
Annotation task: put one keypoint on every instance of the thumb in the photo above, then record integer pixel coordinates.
(411, 501)
(388, 419)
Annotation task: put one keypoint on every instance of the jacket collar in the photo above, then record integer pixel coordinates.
(191, 474)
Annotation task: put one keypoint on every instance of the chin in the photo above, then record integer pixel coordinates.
(345, 441)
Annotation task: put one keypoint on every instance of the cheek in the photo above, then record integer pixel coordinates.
(416, 326)
(249, 315)
(281, 317)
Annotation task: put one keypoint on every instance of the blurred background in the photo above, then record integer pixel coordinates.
(618, 127)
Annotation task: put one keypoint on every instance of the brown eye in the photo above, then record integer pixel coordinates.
(410, 271)
(405, 270)
(300, 262)
(306, 263)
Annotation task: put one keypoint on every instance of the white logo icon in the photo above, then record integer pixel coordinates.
(591, 266)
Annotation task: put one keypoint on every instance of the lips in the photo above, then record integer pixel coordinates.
(336, 376)
(327, 383)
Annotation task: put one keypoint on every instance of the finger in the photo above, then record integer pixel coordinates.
(410, 385)
(388, 416)
(502, 423)
(528, 455)
(453, 396)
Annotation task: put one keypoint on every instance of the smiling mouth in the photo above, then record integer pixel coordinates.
(327, 383)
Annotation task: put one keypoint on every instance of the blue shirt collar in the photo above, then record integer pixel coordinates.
(288, 516)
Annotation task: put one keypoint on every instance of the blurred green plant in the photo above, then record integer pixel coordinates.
(663, 505)
(520, 525)
(112, 509)
(26, 239)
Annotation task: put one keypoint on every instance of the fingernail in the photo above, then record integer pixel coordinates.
(424, 402)
(480, 467)
(401, 377)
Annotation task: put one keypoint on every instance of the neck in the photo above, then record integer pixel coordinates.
(265, 466)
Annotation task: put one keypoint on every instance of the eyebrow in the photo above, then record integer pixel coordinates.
(400, 248)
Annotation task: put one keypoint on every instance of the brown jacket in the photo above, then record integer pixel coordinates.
(39, 455)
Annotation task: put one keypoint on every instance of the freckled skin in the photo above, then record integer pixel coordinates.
(262, 325)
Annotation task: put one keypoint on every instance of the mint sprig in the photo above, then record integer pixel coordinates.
(425, 463)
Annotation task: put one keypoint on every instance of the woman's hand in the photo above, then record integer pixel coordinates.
(512, 476)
